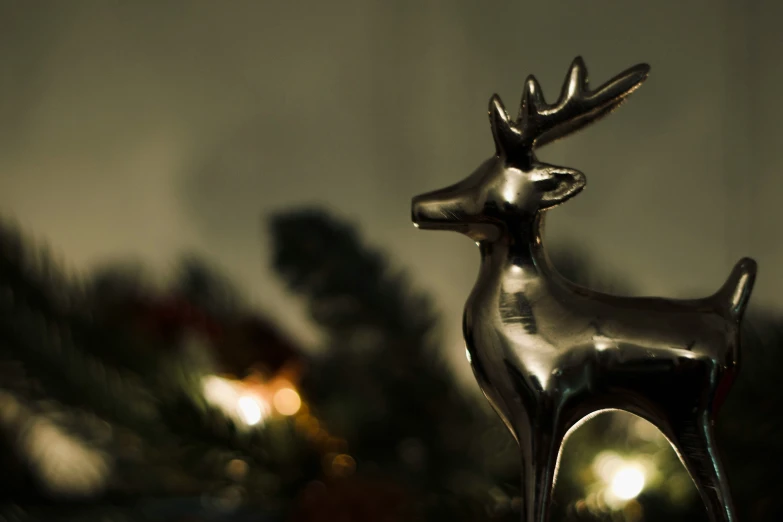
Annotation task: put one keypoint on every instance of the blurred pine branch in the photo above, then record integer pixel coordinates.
(77, 365)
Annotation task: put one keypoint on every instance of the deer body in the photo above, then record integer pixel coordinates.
(548, 353)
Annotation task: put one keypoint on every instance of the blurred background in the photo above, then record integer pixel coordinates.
(215, 305)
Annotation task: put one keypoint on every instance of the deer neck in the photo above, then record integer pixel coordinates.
(517, 263)
(519, 251)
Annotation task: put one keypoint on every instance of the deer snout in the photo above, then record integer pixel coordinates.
(435, 211)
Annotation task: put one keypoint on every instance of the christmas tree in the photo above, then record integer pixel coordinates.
(124, 398)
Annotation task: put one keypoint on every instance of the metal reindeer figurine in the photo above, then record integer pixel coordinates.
(548, 353)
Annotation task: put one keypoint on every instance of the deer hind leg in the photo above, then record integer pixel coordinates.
(695, 442)
(540, 454)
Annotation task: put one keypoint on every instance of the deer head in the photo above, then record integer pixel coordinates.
(513, 186)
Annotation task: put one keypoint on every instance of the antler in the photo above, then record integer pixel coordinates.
(540, 123)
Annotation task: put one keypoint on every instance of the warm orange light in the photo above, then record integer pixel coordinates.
(287, 401)
(343, 465)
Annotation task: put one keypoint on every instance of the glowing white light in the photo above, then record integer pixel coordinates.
(220, 392)
(467, 354)
(249, 410)
(627, 482)
(62, 462)
(65, 464)
(622, 479)
(224, 394)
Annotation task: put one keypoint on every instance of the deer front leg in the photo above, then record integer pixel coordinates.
(540, 453)
(694, 440)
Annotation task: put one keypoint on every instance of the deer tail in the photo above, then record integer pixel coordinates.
(734, 294)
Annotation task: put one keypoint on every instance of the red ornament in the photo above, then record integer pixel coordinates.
(171, 317)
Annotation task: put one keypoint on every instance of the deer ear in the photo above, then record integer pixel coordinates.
(561, 185)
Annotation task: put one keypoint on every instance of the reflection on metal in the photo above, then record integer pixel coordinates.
(546, 352)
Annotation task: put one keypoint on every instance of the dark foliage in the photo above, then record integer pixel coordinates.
(87, 355)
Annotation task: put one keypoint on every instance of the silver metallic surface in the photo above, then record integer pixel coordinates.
(548, 353)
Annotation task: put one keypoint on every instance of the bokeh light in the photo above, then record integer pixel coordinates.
(628, 482)
(621, 479)
(250, 410)
(231, 398)
(287, 401)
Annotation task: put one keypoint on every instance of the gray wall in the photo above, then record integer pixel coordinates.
(142, 128)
